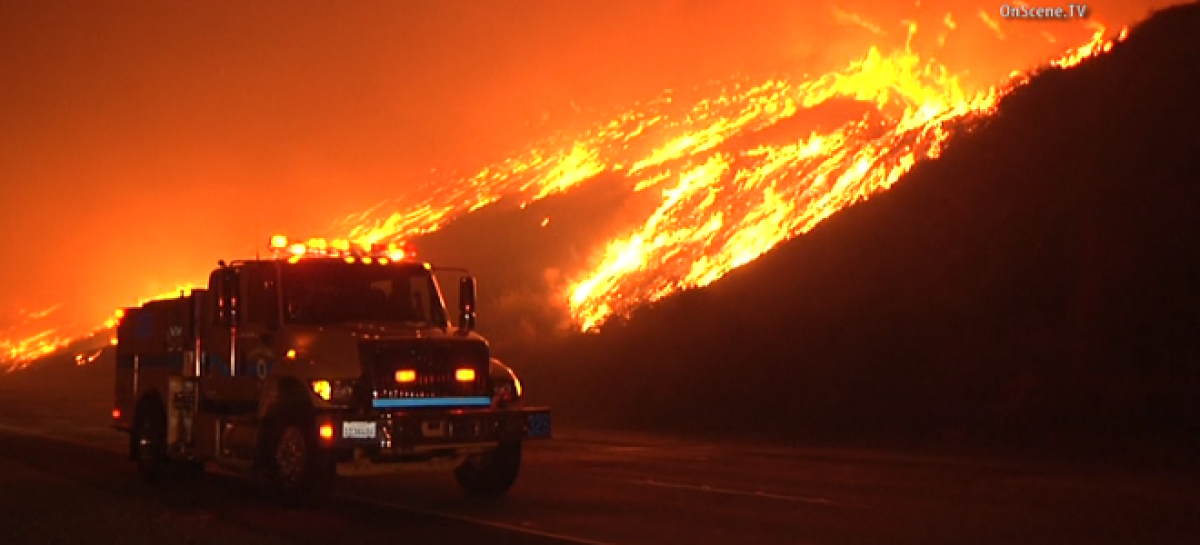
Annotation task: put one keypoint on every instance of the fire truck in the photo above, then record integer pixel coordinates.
(322, 360)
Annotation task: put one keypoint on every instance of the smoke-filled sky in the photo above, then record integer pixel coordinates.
(142, 141)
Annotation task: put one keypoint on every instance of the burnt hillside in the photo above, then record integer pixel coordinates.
(1042, 276)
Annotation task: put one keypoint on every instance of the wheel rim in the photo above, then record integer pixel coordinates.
(290, 456)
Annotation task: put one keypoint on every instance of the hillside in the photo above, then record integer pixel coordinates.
(1039, 279)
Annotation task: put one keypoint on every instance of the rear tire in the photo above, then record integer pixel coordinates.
(300, 469)
(491, 474)
(150, 445)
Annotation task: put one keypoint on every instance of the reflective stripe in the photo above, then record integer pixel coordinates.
(476, 401)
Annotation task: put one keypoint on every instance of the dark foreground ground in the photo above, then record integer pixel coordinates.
(64, 480)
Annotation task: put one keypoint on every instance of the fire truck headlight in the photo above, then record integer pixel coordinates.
(323, 389)
(334, 391)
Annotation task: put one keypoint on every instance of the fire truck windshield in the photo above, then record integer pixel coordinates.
(333, 292)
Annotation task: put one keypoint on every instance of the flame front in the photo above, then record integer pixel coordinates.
(29, 335)
(723, 205)
(722, 202)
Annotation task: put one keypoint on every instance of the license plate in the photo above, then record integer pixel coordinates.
(358, 430)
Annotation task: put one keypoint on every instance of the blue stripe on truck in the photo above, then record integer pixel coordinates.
(410, 402)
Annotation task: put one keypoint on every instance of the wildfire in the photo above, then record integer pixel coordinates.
(721, 208)
(1097, 45)
(30, 335)
(723, 202)
(26, 338)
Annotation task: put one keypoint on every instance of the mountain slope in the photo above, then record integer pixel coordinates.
(1039, 278)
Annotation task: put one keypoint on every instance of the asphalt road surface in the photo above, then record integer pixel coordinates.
(63, 479)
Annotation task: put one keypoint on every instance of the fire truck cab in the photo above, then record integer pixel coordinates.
(321, 360)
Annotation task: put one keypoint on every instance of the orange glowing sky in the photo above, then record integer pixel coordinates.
(138, 144)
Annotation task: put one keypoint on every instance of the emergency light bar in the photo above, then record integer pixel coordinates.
(281, 247)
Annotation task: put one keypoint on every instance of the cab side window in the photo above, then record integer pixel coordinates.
(224, 296)
(261, 297)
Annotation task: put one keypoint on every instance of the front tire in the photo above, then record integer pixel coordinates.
(300, 470)
(491, 474)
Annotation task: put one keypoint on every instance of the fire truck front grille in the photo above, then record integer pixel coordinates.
(426, 373)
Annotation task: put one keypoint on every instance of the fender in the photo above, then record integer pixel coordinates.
(283, 399)
(505, 383)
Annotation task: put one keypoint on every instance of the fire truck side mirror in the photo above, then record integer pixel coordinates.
(466, 304)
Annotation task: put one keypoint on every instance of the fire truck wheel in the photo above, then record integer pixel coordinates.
(151, 443)
(491, 474)
(299, 467)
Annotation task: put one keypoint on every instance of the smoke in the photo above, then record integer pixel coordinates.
(526, 316)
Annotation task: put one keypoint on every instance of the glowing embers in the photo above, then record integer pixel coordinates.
(116, 318)
(365, 253)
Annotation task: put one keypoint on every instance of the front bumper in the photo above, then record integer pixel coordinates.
(415, 431)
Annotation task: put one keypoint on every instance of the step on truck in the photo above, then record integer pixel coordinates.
(323, 360)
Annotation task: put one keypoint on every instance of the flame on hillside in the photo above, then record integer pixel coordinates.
(25, 337)
(28, 335)
(721, 204)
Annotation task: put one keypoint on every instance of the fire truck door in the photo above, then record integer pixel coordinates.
(224, 378)
(256, 341)
(218, 319)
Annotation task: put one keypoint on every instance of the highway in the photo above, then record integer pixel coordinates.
(64, 480)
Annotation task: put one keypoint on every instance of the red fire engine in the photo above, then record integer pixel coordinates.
(322, 360)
